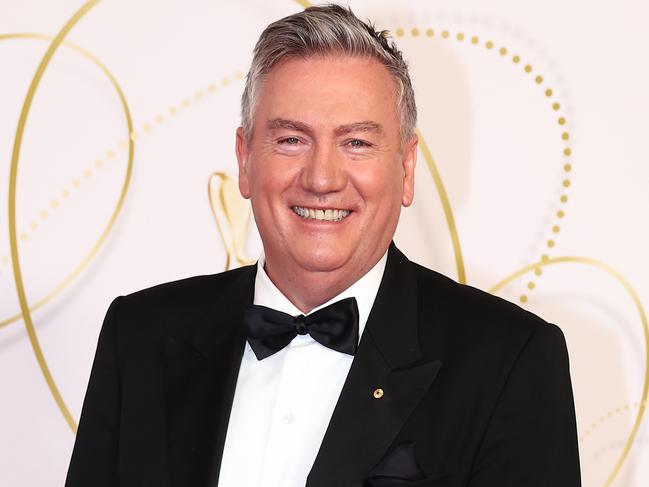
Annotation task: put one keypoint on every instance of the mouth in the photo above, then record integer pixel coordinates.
(325, 215)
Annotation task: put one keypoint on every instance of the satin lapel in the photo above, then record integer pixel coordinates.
(363, 426)
(201, 368)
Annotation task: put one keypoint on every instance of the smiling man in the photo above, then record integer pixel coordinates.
(334, 361)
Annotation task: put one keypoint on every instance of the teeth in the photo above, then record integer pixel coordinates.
(330, 215)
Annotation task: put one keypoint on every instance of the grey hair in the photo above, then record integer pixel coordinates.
(322, 30)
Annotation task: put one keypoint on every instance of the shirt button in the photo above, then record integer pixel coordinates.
(289, 418)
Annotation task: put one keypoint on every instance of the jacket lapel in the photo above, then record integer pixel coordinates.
(363, 426)
(202, 362)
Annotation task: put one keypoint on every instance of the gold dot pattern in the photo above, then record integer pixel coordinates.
(87, 173)
(609, 415)
(613, 447)
(548, 92)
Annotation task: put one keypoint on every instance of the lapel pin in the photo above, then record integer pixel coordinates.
(378, 393)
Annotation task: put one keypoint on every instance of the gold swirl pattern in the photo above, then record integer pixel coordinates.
(13, 237)
(446, 205)
(645, 328)
(147, 128)
(232, 215)
(75, 182)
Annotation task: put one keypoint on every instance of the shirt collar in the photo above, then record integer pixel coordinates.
(364, 290)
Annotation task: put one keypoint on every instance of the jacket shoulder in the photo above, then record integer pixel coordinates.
(169, 305)
(472, 319)
(185, 291)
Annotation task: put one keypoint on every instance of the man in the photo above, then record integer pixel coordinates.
(223, 380)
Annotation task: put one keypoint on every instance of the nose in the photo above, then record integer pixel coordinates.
(324, 170)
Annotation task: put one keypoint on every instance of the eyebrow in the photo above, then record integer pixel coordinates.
(360, 127)
(365, 126)
(282, 123)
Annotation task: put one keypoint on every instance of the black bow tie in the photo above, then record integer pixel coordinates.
(335, 327)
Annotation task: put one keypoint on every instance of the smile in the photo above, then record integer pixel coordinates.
(328, 215)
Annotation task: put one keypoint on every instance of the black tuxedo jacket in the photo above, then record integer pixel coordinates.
(477, 391)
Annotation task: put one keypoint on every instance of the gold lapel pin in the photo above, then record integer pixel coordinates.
(378, 393)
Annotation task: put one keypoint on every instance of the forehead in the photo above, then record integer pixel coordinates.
(337, 89)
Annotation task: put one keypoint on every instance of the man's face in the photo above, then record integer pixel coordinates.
(324, 168)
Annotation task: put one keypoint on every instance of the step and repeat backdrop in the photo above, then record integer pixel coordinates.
(117, 172)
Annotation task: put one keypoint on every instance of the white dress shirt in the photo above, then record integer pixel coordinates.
(283, 403)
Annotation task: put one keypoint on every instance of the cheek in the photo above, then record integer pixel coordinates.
(270, 183)
(270, 169)
(263, 179)
(379, 185)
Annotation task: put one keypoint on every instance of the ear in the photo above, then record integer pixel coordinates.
(243, 152)
(409, 161)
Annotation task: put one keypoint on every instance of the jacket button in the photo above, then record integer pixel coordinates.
(378, 393)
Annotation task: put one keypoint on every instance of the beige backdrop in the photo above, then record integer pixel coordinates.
(117, 163)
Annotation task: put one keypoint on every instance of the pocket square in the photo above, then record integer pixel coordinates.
(399, 465)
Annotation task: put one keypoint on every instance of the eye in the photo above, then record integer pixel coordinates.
(358, 144)
(290, 141)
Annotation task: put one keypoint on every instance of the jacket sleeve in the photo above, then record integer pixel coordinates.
(94, 458)
(531, 439)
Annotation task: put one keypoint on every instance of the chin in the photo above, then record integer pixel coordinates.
(321, 259)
